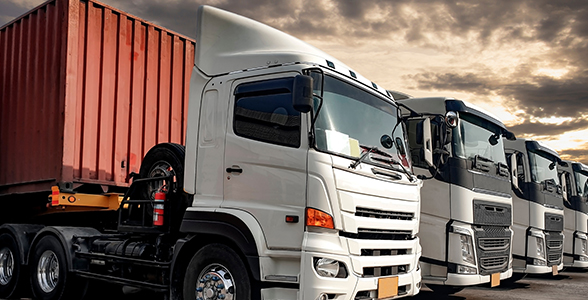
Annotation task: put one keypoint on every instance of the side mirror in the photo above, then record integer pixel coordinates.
(427, 141)
(302, 99)
(564, 187)
(509, 136)
(513, 170)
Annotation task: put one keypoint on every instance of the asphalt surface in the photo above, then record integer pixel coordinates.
(568, 285)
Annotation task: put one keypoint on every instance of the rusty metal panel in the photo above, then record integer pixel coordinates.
(86, 91)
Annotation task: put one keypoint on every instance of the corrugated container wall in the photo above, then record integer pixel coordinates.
(86, 90)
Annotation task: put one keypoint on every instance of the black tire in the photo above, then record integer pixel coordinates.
(49, 273)
(217, 260)
(10, 267)
(163, 160)
(445, 289)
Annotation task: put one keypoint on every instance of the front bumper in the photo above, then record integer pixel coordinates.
(533, 269)
(454, 279)
(313, 285)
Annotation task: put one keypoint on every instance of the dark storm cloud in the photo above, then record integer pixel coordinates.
(528, 127)
(580, 154)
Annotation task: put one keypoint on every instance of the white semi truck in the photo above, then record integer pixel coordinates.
(574, 179)
(466, 215)
(538, 216)
(289, 187)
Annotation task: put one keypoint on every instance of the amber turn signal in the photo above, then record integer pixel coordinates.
(317, 218)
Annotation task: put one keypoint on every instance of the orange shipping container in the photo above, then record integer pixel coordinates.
(86, 90)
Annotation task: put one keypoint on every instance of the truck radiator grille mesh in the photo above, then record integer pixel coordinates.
(493, 248)
(554, 242)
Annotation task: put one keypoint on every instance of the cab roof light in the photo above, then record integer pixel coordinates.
(375, 86)
(317, 218)
(352, 74)
(330, 64)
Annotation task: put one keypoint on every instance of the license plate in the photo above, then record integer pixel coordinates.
(387, 287)
(554, 270)
(495, 279)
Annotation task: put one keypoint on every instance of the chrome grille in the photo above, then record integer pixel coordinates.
(494, 262)
(382, 214)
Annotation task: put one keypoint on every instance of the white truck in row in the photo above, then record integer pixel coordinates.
(466, 215)
(574, 180)
(538, 212)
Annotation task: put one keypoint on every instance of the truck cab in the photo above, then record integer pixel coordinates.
(538, 216)
(466, 214)
(574, 180)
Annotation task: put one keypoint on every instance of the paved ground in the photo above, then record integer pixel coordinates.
(569, 285)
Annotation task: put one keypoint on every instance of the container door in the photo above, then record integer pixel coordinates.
(265, 159)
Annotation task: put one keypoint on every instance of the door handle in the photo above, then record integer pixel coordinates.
(235, 169)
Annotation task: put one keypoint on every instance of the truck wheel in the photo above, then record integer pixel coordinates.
(163, 160)
(10, 268)
(50, 278)
(444, 289)
(216, 272)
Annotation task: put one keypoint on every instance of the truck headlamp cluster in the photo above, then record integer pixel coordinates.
(584, 247)
(467, 249)
(327, 267)
(540, 247)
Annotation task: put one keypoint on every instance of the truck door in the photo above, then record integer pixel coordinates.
(266, 159)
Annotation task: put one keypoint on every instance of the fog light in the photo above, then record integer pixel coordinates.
(466, 270)
(327, 267)
(539, 262)
(322, 297)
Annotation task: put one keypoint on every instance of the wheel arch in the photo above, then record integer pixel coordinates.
(207, 227)
(65, 235)
(24, 235)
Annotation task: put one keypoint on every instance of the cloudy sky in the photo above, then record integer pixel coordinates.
(524, 60)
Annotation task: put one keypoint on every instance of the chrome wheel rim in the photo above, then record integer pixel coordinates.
(48, 271)
(215, 282)
(6, 265)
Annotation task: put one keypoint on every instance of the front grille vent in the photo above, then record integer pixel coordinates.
(382, 214)
(379, 234)
(383, 252)
(489, 244)
(553, 257)
(385, 271)
(494, 262)
(554, 244)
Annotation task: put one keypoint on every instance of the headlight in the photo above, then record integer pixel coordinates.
(540, 247)
(327, 267)
(584, 247)
(467, 249)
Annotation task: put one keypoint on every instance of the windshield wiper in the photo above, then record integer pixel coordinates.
(389, 160)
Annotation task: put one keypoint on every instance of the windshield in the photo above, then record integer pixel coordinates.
(351, 118)
(540, 170)
(471, 138)
(581, 183)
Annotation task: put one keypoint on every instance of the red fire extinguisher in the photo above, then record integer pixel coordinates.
(158, 208)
